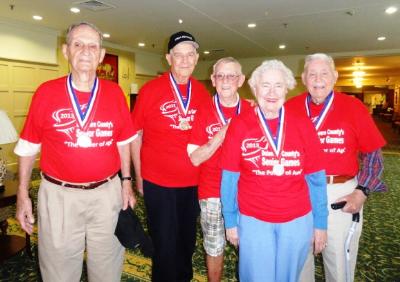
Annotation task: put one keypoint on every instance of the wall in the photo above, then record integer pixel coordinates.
(18, 82)
(17, 39)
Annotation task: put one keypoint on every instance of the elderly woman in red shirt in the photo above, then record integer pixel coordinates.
(273, 187)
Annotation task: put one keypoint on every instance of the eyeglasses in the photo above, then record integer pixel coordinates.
(229, 77)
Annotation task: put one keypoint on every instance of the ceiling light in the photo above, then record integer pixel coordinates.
(358, 73)
(141, 44)
(106, 35)
(206, 52)
(391, 10)
(358, 82)
(251, 25)
(282, 46)
(381, 38)
(75, 10)
(37, 18)
(180, 21)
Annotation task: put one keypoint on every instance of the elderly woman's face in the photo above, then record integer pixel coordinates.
(270, 91)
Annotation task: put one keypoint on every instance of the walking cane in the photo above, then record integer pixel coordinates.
(355, 220)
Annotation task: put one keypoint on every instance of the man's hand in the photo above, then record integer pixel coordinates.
(24, 213)
(320, 240)
(128, 197)
(355, 201)
(232, 236)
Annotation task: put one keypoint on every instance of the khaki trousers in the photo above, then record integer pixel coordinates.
(338, 227)
(70, 220)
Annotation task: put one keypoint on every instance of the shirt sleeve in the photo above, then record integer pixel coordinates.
(371, 171)
(33, 127)
(317, 187)
(231, 148)
(368, 135)
(229, 188)
(127, 133)
(198, 134)
(139, 110)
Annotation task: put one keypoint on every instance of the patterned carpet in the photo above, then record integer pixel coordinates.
(379, 255)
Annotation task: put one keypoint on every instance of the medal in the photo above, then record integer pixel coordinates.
(182, 104)
(321, 117)
(84, 140)
(220, 114)
(184, 125)
(83, 118)
(276, 144)
(278, 169)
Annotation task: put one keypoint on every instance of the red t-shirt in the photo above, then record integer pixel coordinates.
(206, 125)
(52, 123)
(261, 193)
(347, 129)
(164, 159)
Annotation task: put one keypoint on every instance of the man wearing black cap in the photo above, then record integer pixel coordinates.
(163, 118)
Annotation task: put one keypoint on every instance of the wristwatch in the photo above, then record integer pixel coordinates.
(126, 178)
(365, 190)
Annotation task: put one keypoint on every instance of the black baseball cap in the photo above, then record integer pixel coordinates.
(181, 36)
(131, 234)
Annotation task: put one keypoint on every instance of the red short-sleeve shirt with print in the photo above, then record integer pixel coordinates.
(51, 122)
(347, 129)
(261, 193)
(164, 158)
(206, 125)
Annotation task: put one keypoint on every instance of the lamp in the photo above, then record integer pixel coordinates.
(7, 135)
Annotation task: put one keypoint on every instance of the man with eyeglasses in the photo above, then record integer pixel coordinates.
(208, 133)
(82, 127)
(163, 118)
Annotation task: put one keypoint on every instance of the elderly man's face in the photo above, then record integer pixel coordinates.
(182, 59)
(270, 92)
(84, 52)
(319, 78)
(227, 79)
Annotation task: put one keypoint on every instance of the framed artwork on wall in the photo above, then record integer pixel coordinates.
(108, 69)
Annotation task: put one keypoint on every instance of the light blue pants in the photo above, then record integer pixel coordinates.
(273, 252)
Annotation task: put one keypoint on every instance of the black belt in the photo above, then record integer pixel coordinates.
(88, 186)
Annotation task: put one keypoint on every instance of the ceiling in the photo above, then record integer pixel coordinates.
(220, 26)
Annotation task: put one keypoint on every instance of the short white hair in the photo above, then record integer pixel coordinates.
(319, 56)
(272, 65)
(83, 23)
(227, 60)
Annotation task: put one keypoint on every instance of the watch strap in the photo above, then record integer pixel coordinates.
(365, 190)
(123, 178)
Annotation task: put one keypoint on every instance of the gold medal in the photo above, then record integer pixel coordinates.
(184, 125)
(84, 140)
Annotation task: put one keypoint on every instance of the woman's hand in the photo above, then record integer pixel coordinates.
(320, 240)
(232, 236)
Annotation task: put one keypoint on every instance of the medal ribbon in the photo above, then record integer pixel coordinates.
(183, 105)
(322, 115)
(220, 114)
(277, 143)
(82, 117)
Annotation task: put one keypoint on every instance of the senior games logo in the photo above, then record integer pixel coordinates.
(65, 120)
(170, 110)
(213, 129)
(252, 149)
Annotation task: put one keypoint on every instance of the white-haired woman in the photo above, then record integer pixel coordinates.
(273, 187)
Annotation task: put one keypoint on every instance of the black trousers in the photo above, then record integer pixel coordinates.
(171, 217)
